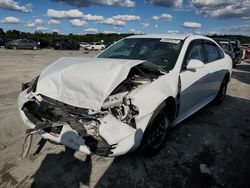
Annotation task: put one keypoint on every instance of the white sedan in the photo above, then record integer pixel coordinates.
(128, 96)
(95, 46)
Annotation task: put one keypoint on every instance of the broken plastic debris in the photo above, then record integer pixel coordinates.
(204, 169)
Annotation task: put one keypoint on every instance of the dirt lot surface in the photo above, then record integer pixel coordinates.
(209, 149)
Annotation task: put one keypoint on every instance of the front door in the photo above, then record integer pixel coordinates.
(193, 82)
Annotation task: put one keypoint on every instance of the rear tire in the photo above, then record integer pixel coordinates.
(222, 92)
(155, 135)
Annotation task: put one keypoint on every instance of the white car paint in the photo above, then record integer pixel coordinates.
(94, 88)
(88, 82)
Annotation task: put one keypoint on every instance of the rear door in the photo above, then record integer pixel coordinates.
(214, 65)
(194, 83)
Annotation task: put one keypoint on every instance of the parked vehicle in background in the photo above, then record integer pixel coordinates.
(3, 41)
(227, 46)
(237, 50)
(95, 46)
(43, 44)
(83, 44)
(22, 44)
(246, 53)
(59, 44)
(128, 96)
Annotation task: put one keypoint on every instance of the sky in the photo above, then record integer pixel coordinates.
(127, 16)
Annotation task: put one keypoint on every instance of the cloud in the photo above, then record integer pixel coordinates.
(78, 22)
(34, 23)
(112, 21)
(193, 25)
(198, 32)
(222, 9)
(59, 14)
(53, 21)
(173, 31)
(55, 30)
(166, 3)
(145, 24)
(126, 18)
(39, 28)
(13, 5)
(90, 17)
(164, 16)
(238, 29)
(110, 32)
(213, 33)
(91, 30)
(11, 20)
(86, 3)
(134, 31)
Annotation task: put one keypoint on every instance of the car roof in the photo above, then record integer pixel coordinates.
(170, 36)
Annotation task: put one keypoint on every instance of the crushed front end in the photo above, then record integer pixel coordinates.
(109, 131)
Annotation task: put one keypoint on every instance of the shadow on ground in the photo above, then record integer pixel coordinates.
(63, 170)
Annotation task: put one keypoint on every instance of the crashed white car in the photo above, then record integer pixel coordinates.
(128, 96)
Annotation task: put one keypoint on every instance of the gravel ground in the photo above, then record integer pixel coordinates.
(209, 149)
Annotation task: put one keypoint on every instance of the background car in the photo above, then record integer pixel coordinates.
(3, 41)
(22, 44)
(58, 44)
(246, 52)
(227, 46)
(95, 46)
(83, 44)
(237, 50)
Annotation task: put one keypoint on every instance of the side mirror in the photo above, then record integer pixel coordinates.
(195, 64)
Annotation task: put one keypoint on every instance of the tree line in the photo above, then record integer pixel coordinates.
(48, 37)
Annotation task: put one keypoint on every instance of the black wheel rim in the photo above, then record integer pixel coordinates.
(158, 134)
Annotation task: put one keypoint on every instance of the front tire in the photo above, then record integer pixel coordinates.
(222, 92)
(155, 135)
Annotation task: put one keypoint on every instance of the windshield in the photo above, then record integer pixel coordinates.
(161, 52)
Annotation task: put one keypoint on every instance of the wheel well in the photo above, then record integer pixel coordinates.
(227, 76)
(170, 108)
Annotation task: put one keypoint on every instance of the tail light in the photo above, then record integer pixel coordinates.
(25, 86)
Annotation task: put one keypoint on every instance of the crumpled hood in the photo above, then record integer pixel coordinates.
(83, 82)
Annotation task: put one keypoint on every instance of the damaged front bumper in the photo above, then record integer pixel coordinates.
(98, 133)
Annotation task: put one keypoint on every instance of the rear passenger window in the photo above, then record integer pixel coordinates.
(212, 52)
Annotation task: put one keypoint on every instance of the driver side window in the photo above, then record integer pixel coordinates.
(195, 52)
